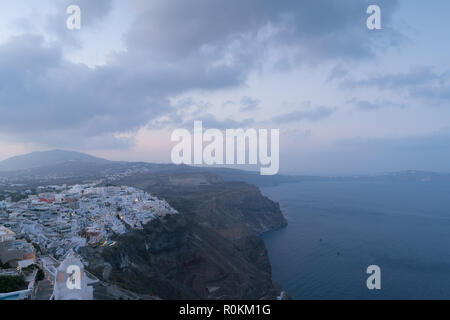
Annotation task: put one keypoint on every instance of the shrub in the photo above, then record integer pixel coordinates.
(40, 275)
(12, 283)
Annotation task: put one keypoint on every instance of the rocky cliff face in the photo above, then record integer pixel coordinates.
(211, 250)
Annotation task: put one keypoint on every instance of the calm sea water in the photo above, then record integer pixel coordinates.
(337, 229)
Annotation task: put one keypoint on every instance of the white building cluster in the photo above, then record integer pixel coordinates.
(64, 218)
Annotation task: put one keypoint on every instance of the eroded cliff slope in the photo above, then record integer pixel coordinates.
(211, 250)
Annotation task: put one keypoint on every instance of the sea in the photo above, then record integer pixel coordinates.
(337, 229)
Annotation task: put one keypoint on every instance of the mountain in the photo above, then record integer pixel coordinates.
(58, 166)
(47, 158)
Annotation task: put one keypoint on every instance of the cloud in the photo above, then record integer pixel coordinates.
(417, 76)
(42, 94)
(173, 48)
(337, 73)
(315, 114)
(92, 14)
(438, 93)
(421, 82)
(297, 133)
(249, 104)
(210, 121)
(373, 105)
(329, 28)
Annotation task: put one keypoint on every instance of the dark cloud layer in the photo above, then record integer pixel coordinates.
(330, 27)
(173, 47)
(41, 93)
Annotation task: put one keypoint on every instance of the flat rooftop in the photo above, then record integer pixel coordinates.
(5, 231)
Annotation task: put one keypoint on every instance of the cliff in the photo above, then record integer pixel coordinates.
(211, 250)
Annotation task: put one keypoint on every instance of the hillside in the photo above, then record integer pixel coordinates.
(47, 158)
(211, 252)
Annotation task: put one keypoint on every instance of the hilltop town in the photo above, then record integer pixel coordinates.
(43, 230)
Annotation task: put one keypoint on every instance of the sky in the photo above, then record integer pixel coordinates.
(347, 100)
